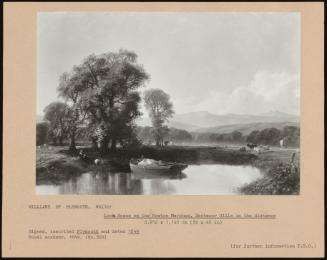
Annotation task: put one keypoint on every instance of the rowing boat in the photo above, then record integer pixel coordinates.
(153, 166)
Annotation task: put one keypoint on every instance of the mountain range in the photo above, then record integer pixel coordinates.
(246, 129)
(204, 121)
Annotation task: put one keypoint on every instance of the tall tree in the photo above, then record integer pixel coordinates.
(70, 88)
(104, 88)
(56, 113)
(160, 108)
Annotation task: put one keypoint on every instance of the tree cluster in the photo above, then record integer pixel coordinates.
(101, 95)
(101, 102)
(272, 136)
(144, 134)
(233, 137)
(268, 136)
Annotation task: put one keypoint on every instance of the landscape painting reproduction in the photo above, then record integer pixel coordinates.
(168, 103)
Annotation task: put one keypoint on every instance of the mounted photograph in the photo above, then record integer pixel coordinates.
(168, 103)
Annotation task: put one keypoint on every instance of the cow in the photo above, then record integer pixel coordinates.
(261, 148)
(265, 147)
(98, 162)
(251, 146)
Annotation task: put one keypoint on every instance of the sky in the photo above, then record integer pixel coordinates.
(242, 63)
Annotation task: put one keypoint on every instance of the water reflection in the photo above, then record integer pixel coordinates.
(95, 183)
(195, 180)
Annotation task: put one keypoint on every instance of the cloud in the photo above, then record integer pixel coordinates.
(206, 60)
(265, 92)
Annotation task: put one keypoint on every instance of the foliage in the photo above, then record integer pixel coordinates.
(272, 136)
(233, 137)
(160, 133)
(178, 135)
(291, 135)
(282, 179)
(145, 135)
(103, 91)
(268, 136)
(253, 137)
(42, 130)
(160, 108)
(57, 114)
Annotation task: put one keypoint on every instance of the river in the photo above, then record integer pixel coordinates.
(211, 179)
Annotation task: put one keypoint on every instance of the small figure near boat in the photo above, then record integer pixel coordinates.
(154, 166)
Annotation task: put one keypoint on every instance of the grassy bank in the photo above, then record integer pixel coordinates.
(280, 177)
(53, 166)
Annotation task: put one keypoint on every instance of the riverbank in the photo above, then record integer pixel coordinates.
(278, 180)
(55, 164)
(280, 177)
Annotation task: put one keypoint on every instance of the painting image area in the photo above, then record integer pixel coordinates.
(168, 103)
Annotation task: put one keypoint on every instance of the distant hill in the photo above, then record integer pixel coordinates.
(179, 125)
(171, 123)
(246, 129)
(198, 121)
(205, 119)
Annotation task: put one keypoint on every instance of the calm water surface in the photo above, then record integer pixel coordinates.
(195, 180)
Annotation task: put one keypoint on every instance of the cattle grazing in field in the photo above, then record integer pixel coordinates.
(251, 146)
(261, 148)
(258, 149)
(265, 147)
(98, 161)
